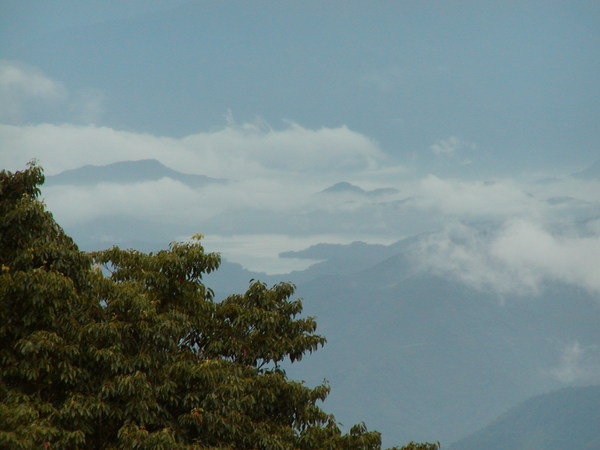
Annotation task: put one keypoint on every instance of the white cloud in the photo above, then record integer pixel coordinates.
(232, 152)
(19, 77)
(161, 200)
(276, 171)
(23, 88)
(462, 252)
(572, 259)
(260, 252)
(475, 199)
(577, 364)
(293, 149)
(27, 95)
(450, 146)
(515, 259)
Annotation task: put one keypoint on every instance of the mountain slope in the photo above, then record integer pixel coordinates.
(564, 419)
(344, 187)
(416, 355)
(126, 172)
(421, 357)
(428, 358)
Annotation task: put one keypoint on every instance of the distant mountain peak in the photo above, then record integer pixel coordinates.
(343, 187)
(125, 172)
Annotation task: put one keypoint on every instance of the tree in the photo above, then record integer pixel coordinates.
(419, 446)
(122, 349)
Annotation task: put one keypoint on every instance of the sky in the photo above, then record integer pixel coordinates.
(513, 83)
(476, 113)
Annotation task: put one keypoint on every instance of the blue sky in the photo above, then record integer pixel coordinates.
(516, 80)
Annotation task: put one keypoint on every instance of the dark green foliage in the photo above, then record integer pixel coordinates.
(419, 446)
(144, 357)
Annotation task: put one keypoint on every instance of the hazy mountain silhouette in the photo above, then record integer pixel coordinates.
(416, 355)
(565, 419)
(347, 188)
(127, 172)
(422, 357)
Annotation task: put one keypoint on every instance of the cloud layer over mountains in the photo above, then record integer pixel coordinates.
(460, 138)
(507, 234)
(518, 258)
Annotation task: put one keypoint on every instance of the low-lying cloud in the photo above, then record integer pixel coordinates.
(156, 201)
(516, 258)
(234, 152)
(505, 235)
(475, 199)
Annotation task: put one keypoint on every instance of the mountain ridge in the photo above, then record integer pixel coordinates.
(566, 418)
(343, 187)
(125, 172)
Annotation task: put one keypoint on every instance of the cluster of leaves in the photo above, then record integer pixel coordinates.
(121, 349)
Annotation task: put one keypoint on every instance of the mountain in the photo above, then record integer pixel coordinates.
(420, 356)
(348, 188)
(338, 259)
(417, 355)
(564, 419)
(343, 187)
(414, 354)
(127, 172)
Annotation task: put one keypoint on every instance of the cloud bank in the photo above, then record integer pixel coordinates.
(516, 258)
(232, 152)
(506, 235)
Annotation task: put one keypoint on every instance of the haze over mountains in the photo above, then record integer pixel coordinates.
(126, 172)
(567, 418)
(429, 338)
(344, 187)
(426, 172)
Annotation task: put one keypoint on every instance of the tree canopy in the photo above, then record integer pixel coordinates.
(123, 349)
